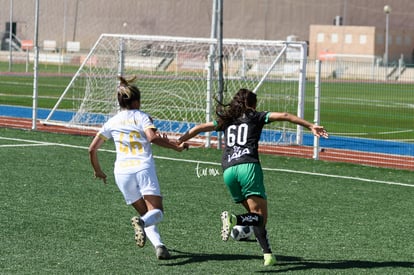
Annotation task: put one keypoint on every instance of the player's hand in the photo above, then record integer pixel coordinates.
(319, 131)
(101, 175)
(183, 146)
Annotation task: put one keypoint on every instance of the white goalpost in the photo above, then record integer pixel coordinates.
(178, 77)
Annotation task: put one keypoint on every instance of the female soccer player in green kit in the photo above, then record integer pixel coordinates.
(242, 126)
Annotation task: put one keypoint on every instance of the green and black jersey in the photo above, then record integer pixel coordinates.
(241, 139)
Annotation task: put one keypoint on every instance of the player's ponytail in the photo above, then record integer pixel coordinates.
(127, 92)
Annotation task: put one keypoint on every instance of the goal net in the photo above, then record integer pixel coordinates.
(178, 79)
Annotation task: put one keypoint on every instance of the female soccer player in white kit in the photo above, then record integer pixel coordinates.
(133, 132)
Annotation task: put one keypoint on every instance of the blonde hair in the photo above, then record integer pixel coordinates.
(127, 93)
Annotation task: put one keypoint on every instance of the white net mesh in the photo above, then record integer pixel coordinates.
(178, 79)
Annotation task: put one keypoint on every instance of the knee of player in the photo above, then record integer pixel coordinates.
(159, 213)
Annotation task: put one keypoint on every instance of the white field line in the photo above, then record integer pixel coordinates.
(23, 145)
(40, 143)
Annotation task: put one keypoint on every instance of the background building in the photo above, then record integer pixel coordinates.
(84, 20)
(360, 43)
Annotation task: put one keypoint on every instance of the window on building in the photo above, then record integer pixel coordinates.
(334, 38)
(348, 38)
(362, 39)
(320, 37)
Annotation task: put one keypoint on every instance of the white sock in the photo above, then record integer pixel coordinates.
(153, 235)
(152, 217)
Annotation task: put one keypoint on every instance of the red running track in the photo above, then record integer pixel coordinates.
(328, 154)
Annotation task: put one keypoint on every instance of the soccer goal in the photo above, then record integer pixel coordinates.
(178, 79)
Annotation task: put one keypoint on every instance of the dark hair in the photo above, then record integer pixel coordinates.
(244, 101)
(127, 93)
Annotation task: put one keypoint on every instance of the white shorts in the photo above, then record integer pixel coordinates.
(135, 186)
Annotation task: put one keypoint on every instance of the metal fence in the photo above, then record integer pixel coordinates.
(367, 108)
(369, 111)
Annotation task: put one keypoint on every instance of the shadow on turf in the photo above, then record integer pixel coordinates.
(189, 258)
(287, 263)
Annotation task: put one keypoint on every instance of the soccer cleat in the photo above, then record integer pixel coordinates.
(140, 236)
(162, 253)
(269, 259)
(228, 222)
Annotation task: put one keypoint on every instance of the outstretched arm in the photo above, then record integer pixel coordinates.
(205, 127)
(163, 141)
(317, 130)
(93, 156)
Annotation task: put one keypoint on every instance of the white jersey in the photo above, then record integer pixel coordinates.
(133, 150)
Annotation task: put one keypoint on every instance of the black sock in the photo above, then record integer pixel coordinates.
(261, 237)
(250, 219)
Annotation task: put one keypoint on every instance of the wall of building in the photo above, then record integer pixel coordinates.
(352, 40)
(359, 40)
